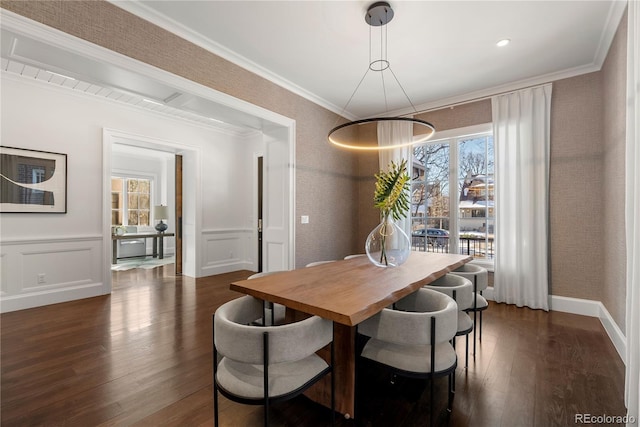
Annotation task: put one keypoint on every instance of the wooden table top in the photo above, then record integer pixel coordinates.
(350, 291)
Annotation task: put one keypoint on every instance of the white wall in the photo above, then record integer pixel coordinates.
(42, 117)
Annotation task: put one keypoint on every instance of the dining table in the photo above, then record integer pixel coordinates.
(347, 292)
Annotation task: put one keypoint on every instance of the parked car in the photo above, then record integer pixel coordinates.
(435, 236)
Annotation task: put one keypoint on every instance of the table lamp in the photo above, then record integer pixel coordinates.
(161, 212)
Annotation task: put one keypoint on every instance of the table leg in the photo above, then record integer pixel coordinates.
(161, 250)
(344, 369)
(155, 247)
(114, 255)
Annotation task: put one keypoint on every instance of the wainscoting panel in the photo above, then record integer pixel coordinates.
(48, 271)
(4, 278)
(277, 256)
(226, 250)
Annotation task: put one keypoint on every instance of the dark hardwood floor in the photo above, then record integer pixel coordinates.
(142, 357)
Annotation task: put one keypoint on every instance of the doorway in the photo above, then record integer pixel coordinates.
(259, 201)
(167, 175)
(178, 213)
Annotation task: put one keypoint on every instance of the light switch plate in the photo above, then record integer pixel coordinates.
(304, 219)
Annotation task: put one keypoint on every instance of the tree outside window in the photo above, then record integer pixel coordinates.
(463, 221)
(130, 201)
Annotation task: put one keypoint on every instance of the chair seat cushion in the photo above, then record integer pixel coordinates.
(465, 324)
(247, 380)
(481, 303)
(412, 358)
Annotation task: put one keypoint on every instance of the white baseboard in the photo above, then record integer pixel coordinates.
(589, 308)
(615, 334)
(225, 267)
(583, 307)
(37, 299)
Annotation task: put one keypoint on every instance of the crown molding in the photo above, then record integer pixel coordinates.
(24, 26)
(487, 93)
(615, 14)
(616, 11)
(174, 27)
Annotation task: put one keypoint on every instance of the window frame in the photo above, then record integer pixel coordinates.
(125, 199)
(453, 136)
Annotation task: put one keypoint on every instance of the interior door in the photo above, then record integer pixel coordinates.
(178, 214)
(260, 194)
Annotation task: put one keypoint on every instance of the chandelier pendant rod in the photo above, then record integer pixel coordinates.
(383, 57)
(379, 14)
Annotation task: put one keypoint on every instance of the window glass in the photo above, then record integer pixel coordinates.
(466, 164)
(130, 201)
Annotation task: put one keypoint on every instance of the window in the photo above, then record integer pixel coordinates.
(130, 201)
(452, 196)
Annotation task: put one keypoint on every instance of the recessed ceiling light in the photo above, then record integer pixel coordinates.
(503, 42)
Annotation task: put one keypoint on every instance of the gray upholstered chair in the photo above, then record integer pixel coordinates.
(313, 264)
(262, 365)
(479, 277)
(461, 290)
(272, 314)
(414, 339)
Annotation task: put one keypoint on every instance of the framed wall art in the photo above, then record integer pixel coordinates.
(32, 181)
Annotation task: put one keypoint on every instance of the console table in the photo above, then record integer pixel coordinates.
(157, 237)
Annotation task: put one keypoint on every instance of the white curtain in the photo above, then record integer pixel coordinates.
(521, 140)
(396, 132)
(632, 215)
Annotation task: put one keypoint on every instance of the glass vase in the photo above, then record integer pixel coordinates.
(388, 245)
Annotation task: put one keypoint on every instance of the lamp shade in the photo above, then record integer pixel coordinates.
(161, 212)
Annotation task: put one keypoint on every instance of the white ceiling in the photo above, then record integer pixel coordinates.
(440, 51)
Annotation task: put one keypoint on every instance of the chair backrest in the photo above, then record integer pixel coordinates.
(313, 264)
(475, 273)
(410, 323)
(450, 283)
(262, 274)
(236, 339)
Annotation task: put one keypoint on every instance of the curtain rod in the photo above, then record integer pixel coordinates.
(480, 98)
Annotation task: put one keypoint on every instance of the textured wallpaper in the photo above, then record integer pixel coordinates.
(614, 75)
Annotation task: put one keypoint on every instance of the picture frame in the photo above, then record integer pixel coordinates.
(32, 181)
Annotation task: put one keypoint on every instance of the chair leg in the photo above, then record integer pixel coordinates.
(481, 326)
(215, 404)
(266, 413)
(452, 382)
(265, 384)
(466, 349)
(475, 318)
(432, 409)
(273, 314)
(264, 313)
(215, 370)
(333, 387)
